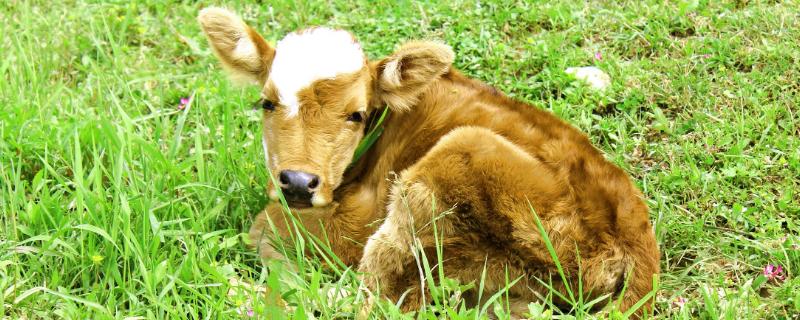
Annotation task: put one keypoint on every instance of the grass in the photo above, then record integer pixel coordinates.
(114, 203)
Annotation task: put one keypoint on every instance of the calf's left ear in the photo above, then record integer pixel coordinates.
(243, 52)
(403, 76)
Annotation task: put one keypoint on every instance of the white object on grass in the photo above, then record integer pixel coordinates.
(593, 76)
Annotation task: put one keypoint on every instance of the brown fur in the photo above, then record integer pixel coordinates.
(472, 150)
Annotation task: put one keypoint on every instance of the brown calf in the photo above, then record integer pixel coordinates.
(483, 158)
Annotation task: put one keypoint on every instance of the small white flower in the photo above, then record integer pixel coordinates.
(593, 76)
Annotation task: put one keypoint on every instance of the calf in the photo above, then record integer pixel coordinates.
(485, 160)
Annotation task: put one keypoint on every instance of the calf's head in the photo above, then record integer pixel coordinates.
(317, 91)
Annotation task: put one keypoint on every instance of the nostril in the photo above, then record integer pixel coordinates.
(284, 178)
(313, 183)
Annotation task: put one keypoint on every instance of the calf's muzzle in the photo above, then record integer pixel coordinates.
(298, 187)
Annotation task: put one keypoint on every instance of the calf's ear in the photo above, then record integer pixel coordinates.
(402, 77)
(242, 51)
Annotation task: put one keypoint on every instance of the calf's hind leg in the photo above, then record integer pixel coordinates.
(485, 179)
(389, 255)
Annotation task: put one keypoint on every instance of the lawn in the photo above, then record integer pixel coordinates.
(118, 202)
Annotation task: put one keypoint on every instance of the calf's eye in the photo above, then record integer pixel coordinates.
(356, 116)
(264, 104)
(267, 105)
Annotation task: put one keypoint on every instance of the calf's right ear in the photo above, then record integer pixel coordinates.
(242, 51)
(403, 76)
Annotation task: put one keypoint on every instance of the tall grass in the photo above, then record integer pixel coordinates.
(116, 203)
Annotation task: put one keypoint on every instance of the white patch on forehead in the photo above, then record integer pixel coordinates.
(307, 56)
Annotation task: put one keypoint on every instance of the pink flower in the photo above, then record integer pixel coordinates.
(250, 313)
(184, 103)
(598, 56)
(774, 272)
(679, 302)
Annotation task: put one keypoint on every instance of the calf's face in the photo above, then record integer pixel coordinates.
(315, 102)
(317, 91)
(310, 142)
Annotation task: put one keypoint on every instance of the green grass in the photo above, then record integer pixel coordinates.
(114, 203)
